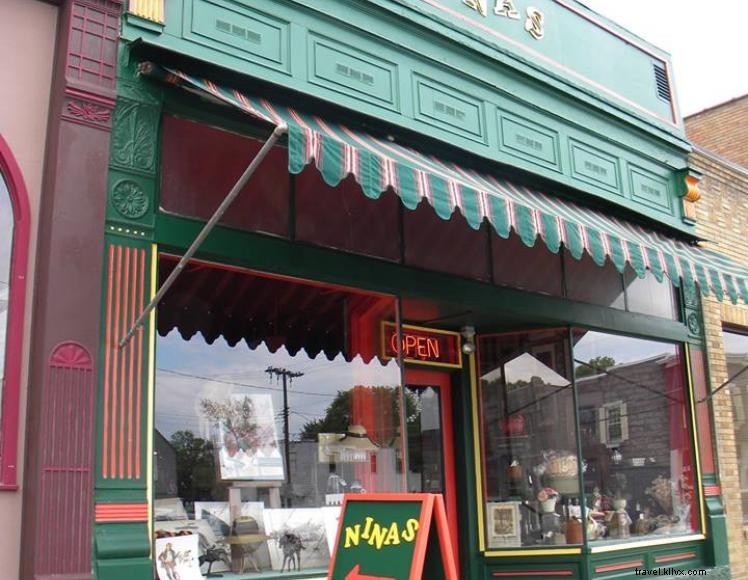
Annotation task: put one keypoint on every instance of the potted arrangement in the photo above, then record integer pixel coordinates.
(547, 498)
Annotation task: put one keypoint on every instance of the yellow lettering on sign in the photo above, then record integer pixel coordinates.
(352, 535)
(367, 527)
(380, 535)
(393, 538)
(411, 527)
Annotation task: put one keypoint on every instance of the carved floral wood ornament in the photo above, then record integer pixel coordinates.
(534, 21)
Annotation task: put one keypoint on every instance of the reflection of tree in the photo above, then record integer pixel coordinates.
(236, 416)
(336, 419)
(595, 366)
(196, 472)
(339, 414)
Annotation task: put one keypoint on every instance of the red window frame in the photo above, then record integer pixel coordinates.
(11, 392)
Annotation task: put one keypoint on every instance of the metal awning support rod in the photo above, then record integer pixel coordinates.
(207, 228)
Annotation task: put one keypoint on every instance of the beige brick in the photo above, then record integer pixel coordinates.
(722, 218)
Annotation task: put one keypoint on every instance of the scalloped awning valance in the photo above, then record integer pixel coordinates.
(512, 209)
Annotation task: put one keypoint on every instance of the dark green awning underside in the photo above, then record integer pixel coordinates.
(377, 165)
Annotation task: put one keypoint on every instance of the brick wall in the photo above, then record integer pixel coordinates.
(722, 130)
(722, 215)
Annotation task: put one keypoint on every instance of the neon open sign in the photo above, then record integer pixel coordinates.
(426, 346)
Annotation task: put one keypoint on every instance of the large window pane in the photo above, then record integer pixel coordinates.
(199, 166)
(529, 440)
(648, 296)
(256, 443)
(6, 245)
(736, 357)
(636, 441)
(588, 282)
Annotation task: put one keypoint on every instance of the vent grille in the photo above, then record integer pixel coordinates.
(238, 31)
(663, 82)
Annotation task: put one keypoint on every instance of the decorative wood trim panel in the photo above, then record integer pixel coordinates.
(92, 53)
(123, 367)
(87, 109)
(711, 490)
(620, 566)
(445, 108)
(674, 557)
(244, 32)
(63, 534)
(121, 512)
(343, 68)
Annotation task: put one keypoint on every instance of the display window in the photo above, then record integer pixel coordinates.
(272, 401)
(585, 438)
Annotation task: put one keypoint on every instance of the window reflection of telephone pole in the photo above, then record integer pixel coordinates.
(287, 377)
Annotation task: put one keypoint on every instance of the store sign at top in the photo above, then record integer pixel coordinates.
(534, 19)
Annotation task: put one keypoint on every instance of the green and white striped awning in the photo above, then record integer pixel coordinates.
(377, 165)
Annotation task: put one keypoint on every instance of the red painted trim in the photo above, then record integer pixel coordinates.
(675, 557)
(442, 381)
(513, 573)
(107, 350)
(710, 490)
(123, 371)
(9, 413)
(131, 377)
(121, 512)
(139, 391)
(621, 566)
(447, 547)
(422, 539)
(117, 286)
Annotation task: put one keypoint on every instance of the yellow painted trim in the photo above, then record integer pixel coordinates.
(530, 553)
(477, 453)
(151, 388)
(697, 447)
(646, 544)
(384, 323)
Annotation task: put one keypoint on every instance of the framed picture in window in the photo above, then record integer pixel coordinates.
(503, 524)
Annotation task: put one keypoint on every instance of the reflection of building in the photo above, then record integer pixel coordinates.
(631, 431)
(720, 136)
(439, 167)
(165, 464)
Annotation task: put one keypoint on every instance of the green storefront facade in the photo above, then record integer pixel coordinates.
(480, 210)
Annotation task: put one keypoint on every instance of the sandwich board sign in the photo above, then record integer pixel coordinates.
(393, 536)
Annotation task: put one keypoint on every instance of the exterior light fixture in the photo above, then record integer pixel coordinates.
(468, 336)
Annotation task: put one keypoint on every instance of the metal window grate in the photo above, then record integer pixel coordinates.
(663, 82)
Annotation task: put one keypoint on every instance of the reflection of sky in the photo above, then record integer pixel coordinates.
(623, 349)
(524, 368)
(736, 343)
(218, 371)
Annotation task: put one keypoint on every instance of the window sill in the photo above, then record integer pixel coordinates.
(646, 543)
(8, 487)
